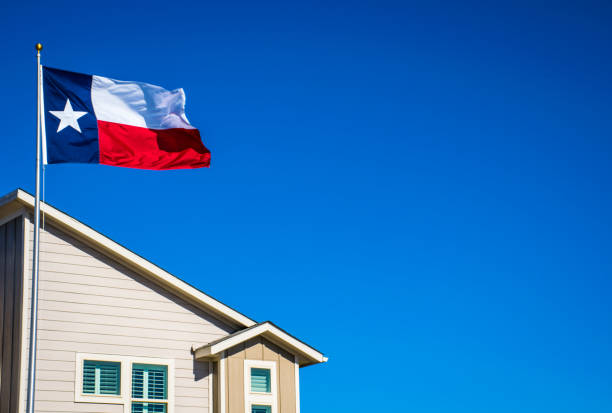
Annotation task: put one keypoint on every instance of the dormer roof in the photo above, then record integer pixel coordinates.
(306, 354)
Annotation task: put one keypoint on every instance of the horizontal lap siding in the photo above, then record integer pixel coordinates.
(90, 304)
(49, 406)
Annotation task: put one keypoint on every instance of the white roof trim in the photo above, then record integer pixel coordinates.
(123, 254)
(307, 354)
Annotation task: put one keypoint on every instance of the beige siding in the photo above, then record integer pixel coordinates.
(11, 290)
(259, 348)
(235, 385)
(89, 303)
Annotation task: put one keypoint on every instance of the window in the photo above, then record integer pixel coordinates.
(260, 386)
(101, 377)
(140, 384)
(149, 388)
(260, 380)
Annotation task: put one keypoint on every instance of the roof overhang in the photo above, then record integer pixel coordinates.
(306, 354)
(18, 201)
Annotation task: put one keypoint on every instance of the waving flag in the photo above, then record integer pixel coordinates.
(94, 119)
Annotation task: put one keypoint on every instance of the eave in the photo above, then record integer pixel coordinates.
(18, 201)
(306, 354)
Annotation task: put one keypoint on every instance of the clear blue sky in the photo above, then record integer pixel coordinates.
(421, 190)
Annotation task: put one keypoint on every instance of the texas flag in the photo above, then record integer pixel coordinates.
(94, 119)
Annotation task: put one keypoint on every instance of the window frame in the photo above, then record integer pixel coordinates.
(80, 396)
(149, 400)
(257, 398)
(98, 366)
(251, 380)
(125, 396)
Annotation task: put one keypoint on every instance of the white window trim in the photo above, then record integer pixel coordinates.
(125, 398)
(222, 375)
(79, 396)
(255, 398)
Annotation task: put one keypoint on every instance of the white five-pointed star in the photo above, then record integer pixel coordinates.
(68, 117)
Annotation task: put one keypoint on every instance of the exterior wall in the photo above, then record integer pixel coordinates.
(11, 292)
(259, 348)
(89, 303)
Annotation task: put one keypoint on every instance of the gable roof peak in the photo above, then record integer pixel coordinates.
(19, 199)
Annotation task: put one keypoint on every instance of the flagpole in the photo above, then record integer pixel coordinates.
(34, 304)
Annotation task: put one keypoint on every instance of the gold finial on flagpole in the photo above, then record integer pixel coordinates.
(38, 47)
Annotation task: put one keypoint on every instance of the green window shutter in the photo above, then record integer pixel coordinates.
(261, 409)
(157, 384)
(101, 377)
(89, 377)
(137, 383)
(260, 380)
(148, 407)
(149, 382)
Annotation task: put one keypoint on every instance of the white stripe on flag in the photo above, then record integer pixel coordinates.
(138, 104)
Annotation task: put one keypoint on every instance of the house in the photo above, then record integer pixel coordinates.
(117, 334)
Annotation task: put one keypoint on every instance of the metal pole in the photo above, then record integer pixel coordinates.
(34, 306)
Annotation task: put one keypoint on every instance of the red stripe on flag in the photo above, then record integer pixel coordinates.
(136, 147)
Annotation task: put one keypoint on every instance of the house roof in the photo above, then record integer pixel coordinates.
(15, 202)
(307, 355)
